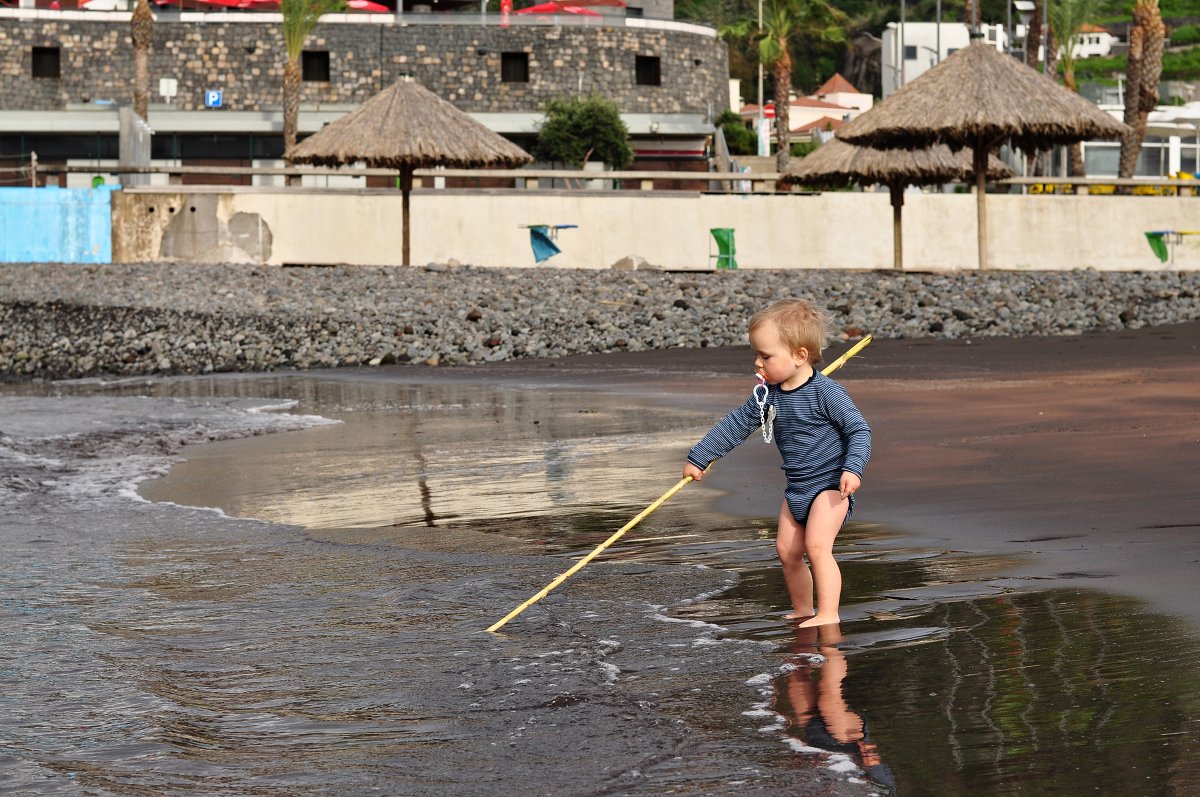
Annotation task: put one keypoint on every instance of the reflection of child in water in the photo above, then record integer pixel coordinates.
(818, 709)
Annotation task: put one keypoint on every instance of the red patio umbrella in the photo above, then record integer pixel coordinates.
(558, 8)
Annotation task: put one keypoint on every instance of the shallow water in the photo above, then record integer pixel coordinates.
(337, 648)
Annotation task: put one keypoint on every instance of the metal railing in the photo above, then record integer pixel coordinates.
(532, 179)
(761, 182)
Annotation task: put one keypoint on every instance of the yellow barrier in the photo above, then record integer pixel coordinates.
(1137, 190)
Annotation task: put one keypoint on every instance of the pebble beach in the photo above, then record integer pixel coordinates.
(68, 321)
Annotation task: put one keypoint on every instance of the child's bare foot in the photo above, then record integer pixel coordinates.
(798, 615)
(821, 620)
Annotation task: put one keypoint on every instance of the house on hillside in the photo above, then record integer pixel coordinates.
(837, 99)
(840, 91)
(836, 102)
(1094, 42)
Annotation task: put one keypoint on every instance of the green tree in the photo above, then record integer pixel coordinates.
(141, 30)
(1141, 79)
(740, 139)
(1066, 19)
(299, 19)
(582, 129)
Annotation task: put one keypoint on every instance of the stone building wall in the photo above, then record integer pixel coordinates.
(461, 63)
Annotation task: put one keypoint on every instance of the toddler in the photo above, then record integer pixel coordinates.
(824, 441)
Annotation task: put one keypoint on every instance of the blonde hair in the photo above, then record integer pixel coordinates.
(800, 324)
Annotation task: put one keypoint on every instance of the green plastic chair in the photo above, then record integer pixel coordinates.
(1159, 245)
(726, 248)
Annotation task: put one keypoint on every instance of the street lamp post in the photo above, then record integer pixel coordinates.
(938, 42)
(763, 142)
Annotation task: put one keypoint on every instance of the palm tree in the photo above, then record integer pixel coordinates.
(774, 49)
(1066, 19)
(1142, 75)
(783, 21)
(141, 30)
(1033, 34)
(299, 18)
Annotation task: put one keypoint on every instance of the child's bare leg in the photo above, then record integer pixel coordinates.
(825, 520)
(789, 544)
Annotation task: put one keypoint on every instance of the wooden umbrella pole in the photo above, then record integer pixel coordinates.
(981, 154)
(406, 184)
(897, 192)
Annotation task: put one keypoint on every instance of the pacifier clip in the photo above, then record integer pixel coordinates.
(766, 414)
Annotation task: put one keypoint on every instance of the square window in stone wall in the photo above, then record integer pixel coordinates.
(314, 66)
(46, 62)
(514, 67)
(648, 70)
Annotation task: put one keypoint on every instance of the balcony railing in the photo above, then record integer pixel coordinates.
(210, 15)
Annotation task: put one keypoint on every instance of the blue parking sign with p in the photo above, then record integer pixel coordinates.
(212, 98)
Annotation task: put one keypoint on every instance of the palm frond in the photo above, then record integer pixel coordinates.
(300, 17)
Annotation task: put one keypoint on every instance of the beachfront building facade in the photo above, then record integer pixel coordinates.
(217, 78)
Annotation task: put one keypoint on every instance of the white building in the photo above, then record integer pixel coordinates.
(911, 49)
(1094, 42)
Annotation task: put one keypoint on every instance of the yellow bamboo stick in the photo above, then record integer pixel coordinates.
(829, 369)
(580, 564)
(840, 361)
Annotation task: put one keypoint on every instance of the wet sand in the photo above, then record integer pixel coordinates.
(1078, 455)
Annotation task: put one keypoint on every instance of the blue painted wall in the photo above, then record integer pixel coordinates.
(56, 225)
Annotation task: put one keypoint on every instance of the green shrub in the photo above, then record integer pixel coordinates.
(1185, 34)
(740, 139)
(802, 148)
(581, 129)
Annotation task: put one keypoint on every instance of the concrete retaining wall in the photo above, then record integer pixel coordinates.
(668, 229)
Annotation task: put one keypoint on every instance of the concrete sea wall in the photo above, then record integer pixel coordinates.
(840, 230)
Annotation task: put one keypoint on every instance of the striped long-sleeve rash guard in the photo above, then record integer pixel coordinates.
(818, 430)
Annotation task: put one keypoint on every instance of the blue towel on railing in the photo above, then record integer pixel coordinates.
(543, 247)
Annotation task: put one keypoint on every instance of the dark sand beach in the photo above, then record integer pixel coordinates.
(1017, 619)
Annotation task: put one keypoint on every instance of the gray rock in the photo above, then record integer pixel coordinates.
(630, 263)
(67, 321)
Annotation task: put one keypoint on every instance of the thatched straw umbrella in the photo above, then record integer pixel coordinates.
(837, 163)
(408, 127)
(979, 98)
